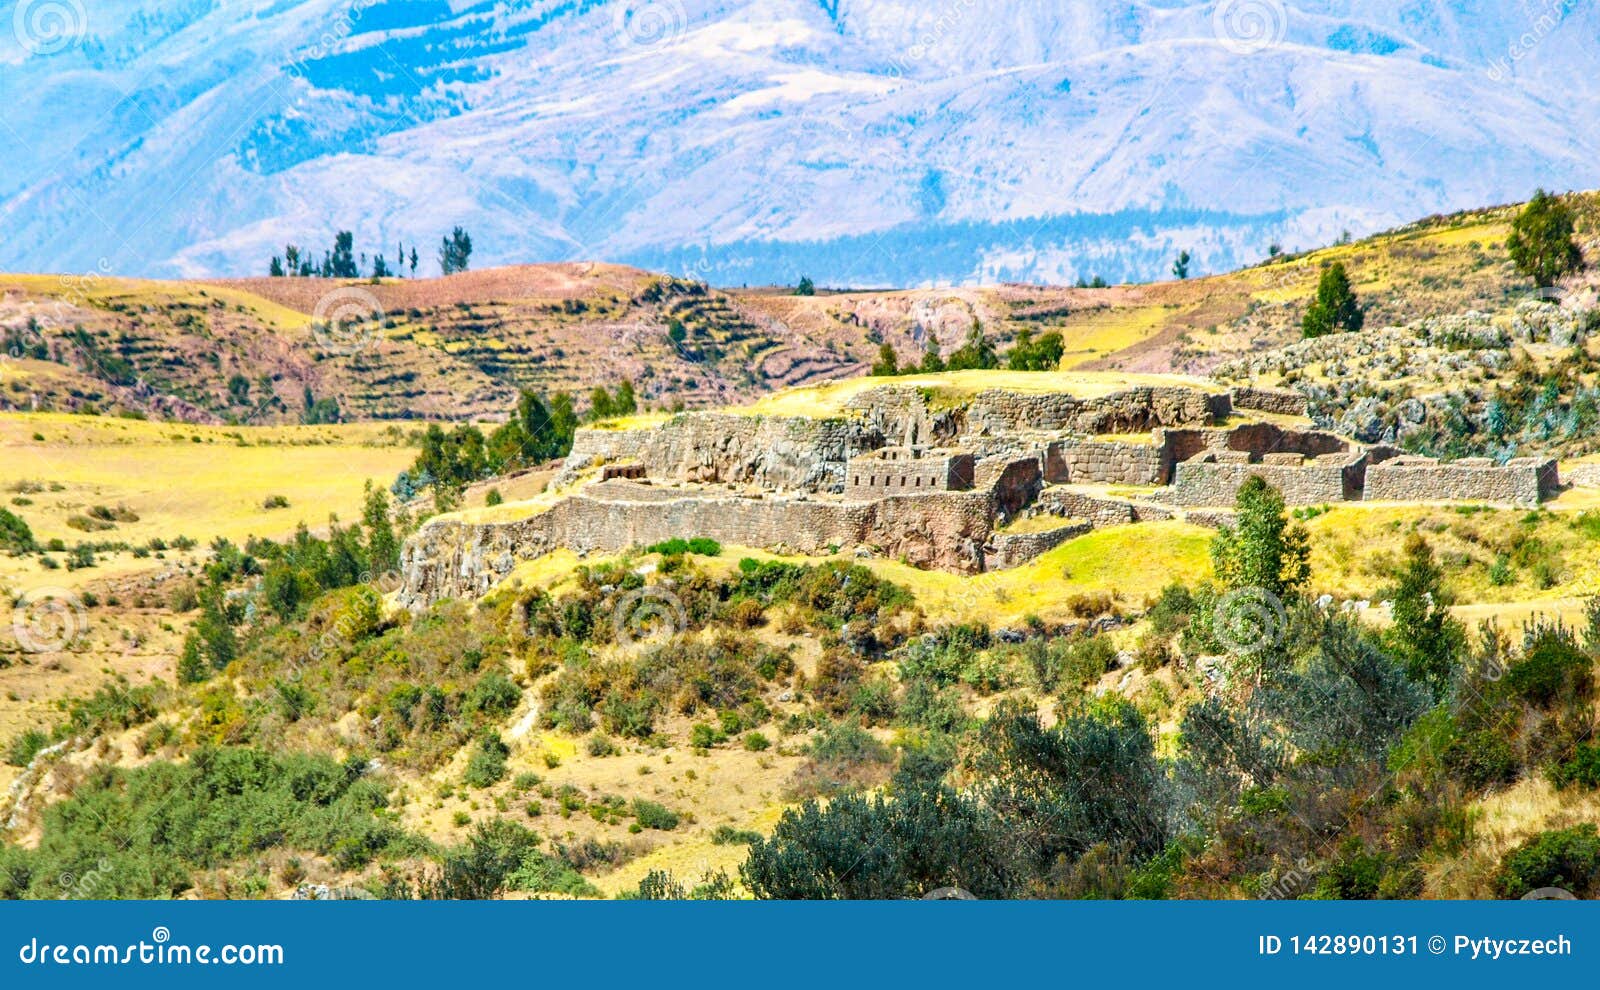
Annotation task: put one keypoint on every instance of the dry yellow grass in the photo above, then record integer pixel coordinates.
(196, 481)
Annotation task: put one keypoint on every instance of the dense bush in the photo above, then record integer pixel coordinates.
(145, 832)
(1565, 858)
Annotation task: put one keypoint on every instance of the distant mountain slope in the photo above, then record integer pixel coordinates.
(461, 346)
(863, 142)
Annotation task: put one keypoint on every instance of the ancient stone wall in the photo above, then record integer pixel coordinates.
(1583, 475)
(1254, 438)
(1523, 481)
(450, 557)
(1283, 402)
(1209, 480)
(1135, 410)
(794, 453)
(1106, 462)
(1015, 549)
(902, 415)
(898, 470)
(1075, 505)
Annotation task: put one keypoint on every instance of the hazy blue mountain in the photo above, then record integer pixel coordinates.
(865, 142)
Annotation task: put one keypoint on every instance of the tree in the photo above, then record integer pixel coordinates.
(383, 546)
(976, 352)
(600, 404)
(1263, 550)
(1424, 636)
(342, 260)
(1180, 267)
(275, 270)
(1541, 244)
(380, 267)
(413, 261)
(625, 403)
(291, 259)
(455, 252)
(888, 363)
(1335, 308)
(806, 287)
(932, 362)
(1028, 354)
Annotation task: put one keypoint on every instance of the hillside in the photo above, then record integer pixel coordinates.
(460, 347)
(218, 617)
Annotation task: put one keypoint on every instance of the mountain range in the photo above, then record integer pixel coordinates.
(860, 142)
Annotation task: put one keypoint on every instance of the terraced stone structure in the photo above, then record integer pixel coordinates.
(937, 480)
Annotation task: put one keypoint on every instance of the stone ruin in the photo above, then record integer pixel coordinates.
(901, 475)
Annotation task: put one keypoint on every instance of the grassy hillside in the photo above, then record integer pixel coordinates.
(556, 739)
(459, 347)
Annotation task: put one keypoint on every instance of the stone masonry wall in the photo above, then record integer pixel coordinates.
(1015, 549)
(1107, 462)
(1333, 478)
(1283, 402)
(1135, 410)
(450, 557)
(778, 452)
(1075, 505)
(1525, 481)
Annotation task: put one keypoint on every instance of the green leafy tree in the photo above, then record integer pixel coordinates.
(1263, 550)
(806, 287)
(275, 269)
(342, 260)
(977, 352)
(1335, 308)
(1541, 244)
(383, 546)
(1028, 354)
(888, 363)
(1180, 267)
(455, 252)
(932, 362)
(1424, 636)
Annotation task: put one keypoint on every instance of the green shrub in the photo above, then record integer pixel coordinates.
(655, 816)
(152, 828)
(15, 536)
(22, 749)
(487, 765)
(703, 736)
(1481, 759)
(755, 742)
(1552, 667)
(1581, 769)
(1565, 858)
